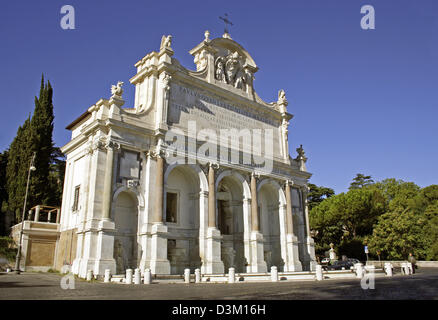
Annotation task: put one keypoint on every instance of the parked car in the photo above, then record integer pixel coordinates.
(340, 265)
(353, 260)
(325, 261)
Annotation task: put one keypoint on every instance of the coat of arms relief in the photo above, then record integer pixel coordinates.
(229, 69)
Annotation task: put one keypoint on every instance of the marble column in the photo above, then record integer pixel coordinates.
(159, 263)
(310, 243)
(254, 205)
(293, 260)
(106, 227)
(159, 187)
(212, 262)
(211, 198)
(257, 262)
(108, 179)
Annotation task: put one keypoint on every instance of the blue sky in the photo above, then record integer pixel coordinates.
(363, 100)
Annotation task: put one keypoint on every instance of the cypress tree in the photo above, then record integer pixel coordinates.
(17, 168)
(42, 144)
(3, 183)
(35, 136)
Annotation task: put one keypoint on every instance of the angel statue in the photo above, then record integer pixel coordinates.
(282, 97)
(220, 70)
(165, 42)
(116, 90)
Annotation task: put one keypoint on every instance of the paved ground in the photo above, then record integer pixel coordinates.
(422, 285)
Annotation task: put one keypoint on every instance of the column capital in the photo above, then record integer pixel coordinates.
(154, 153)
(289, 183)
(111, 144)
(213, 165)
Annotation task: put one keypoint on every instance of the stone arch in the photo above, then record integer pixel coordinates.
(232, 211)
(183, 186)
(272, 210)
(239, 177)
(133, 191)
(203, 182)
(125, 217)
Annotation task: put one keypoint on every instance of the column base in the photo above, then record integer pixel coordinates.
(159, 263)
(105, 248)
(213, 263)
(311, 251)
(293, 264)
(258, 263)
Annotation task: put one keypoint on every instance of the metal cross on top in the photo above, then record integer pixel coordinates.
(226, 21)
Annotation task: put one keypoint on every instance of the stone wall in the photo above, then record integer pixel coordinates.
(66, 252)
(40, 252)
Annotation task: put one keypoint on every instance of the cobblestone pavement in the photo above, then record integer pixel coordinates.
(46, 286)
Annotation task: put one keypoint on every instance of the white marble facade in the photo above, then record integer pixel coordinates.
(132, 207)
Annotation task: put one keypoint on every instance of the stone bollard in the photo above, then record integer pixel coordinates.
(137, 276)
(89, 275)
(197, 276)
(107, 277)
(187, 275)
(319, 275)
(231, 275)
(404, 268)
(147, 276)
(274, 274)
(128, 278)
(388, 269)
(359, 270)
(409, 265)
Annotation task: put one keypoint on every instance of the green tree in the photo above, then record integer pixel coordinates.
(3, 184)
(317, 194)
(17, 168)
(360, 181)
(35, 136)
(42, 144)
(411, 223)
(345, 219)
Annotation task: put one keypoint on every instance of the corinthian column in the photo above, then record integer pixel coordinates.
(309, 240)
(289, 222)
(293, 259)
(211, 198)
(108, 179)
(159, 183)
(255, 245)
(254, 205)
(159, 263)
(212, 258)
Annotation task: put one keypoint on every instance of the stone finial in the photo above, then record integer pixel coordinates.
(117, 90)
(282, 98)
(207, 35)
(301, 158)
(166, 41)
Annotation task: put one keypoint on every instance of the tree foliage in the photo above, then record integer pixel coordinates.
(410, 225)
(35, 136)
(361, 181)
(390, 216)
(318, 194)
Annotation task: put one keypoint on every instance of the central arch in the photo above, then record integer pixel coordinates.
(231, 192)
(182, 209)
